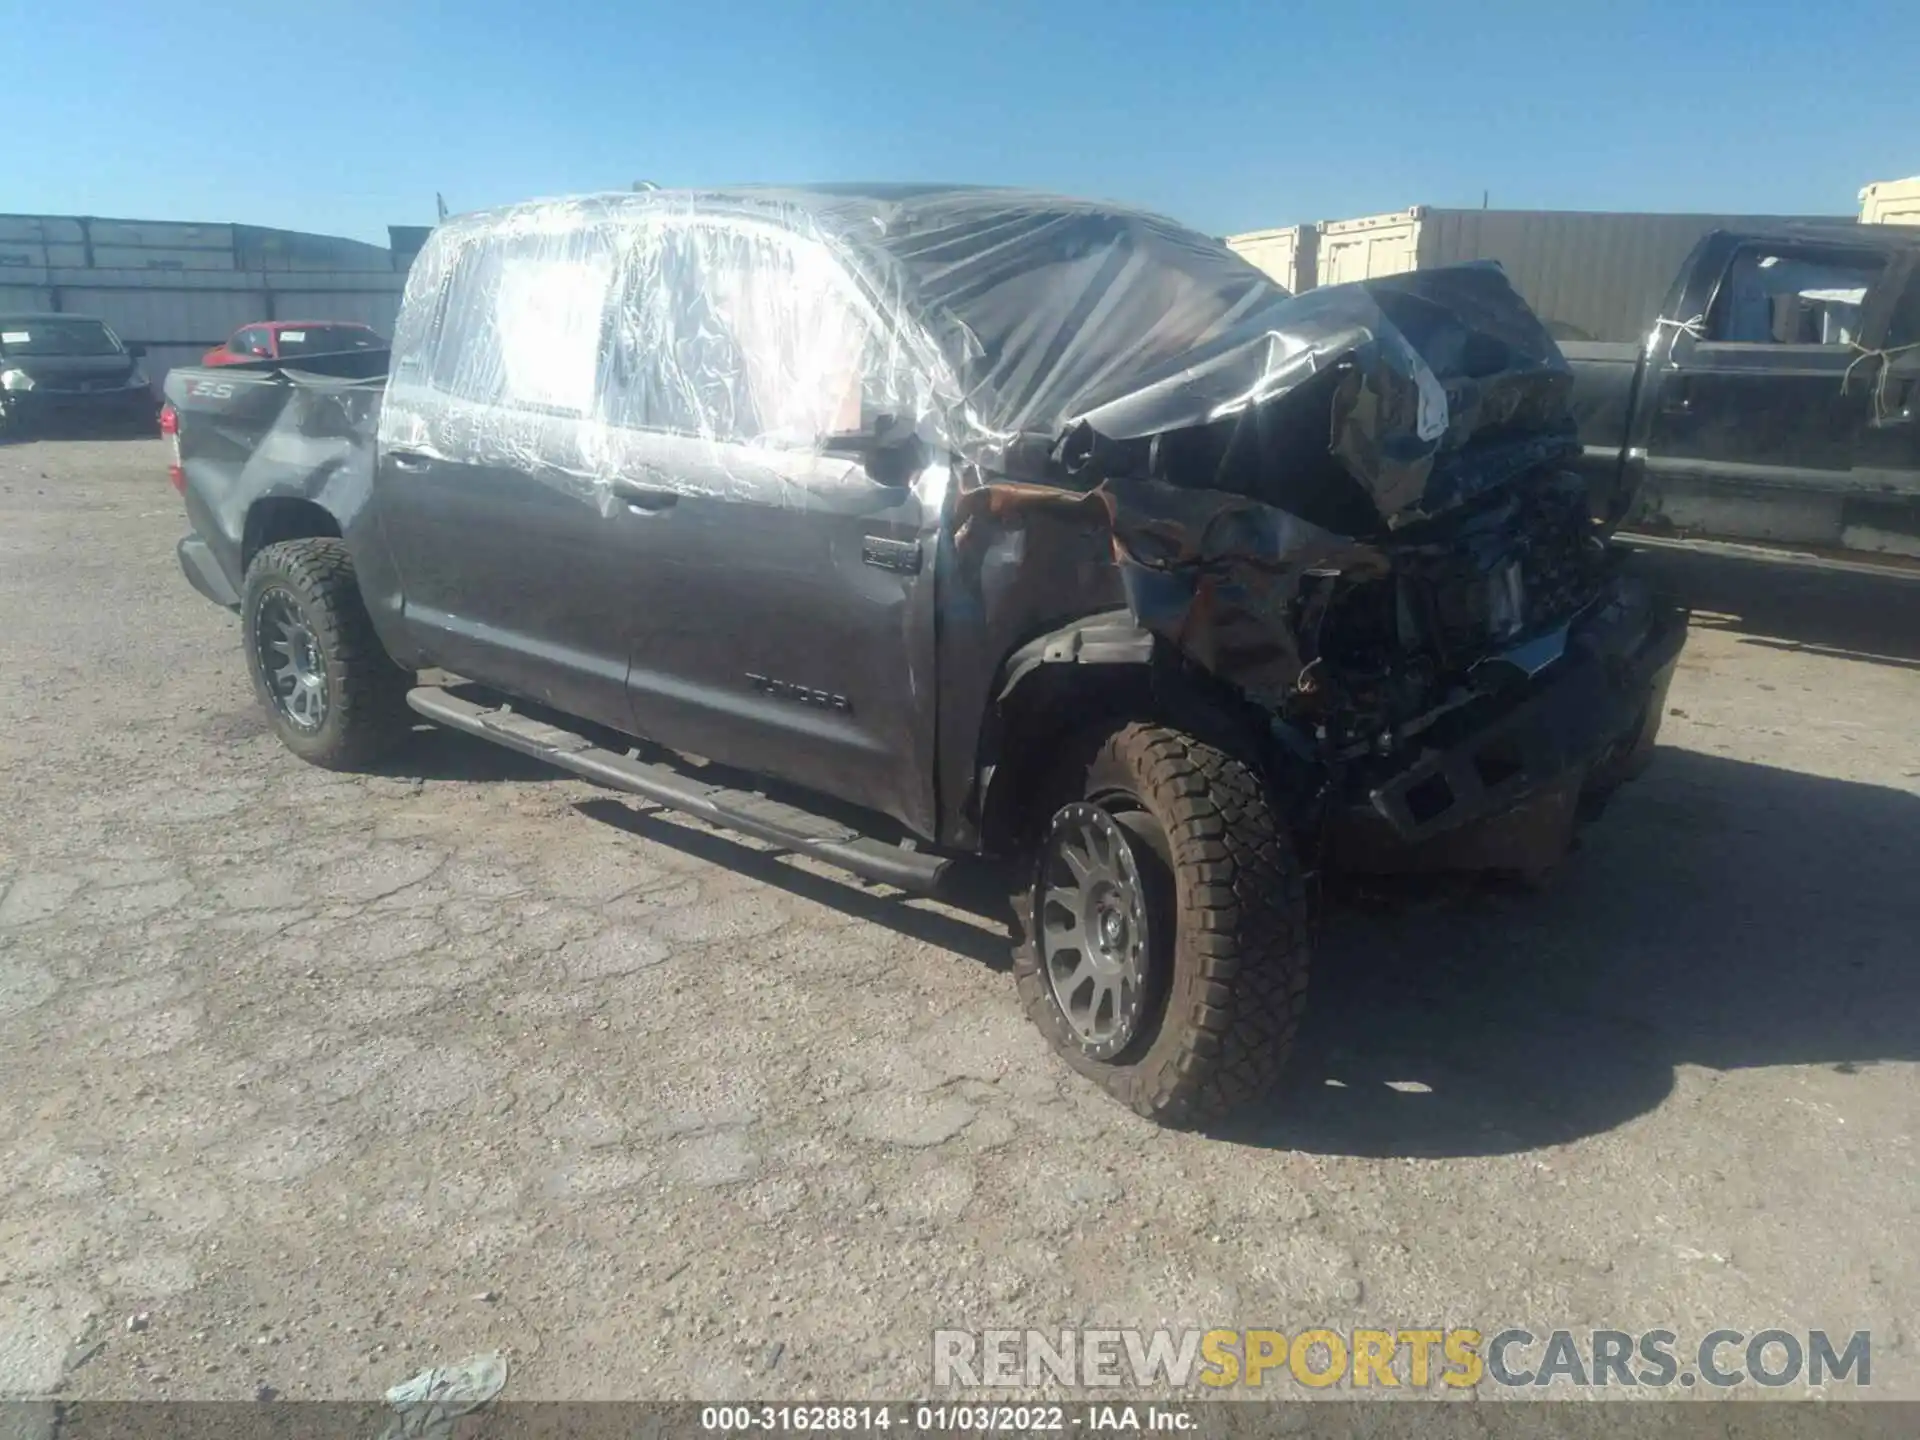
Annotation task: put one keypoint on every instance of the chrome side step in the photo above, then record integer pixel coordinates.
(746, 811)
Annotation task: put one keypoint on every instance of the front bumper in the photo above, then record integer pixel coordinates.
(41, 407)
(1586, 722)
(203, 572)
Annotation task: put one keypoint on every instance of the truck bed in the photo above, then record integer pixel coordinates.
(267, 430)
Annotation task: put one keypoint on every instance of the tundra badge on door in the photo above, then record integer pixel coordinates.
(806, 695)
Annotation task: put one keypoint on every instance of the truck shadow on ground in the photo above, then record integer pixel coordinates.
(1875, 618)
(1721, 914)
(431, 753)
(969, 920)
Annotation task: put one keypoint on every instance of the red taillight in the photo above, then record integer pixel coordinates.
(170, 427)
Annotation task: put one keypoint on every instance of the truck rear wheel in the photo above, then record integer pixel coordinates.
(331, 692)
(1161, 937)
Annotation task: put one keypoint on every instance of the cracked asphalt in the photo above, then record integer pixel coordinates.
(310, 1081)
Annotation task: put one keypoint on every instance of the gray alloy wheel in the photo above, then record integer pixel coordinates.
(331, 692)
(1161, 929)
(290, 660)
(1096, 930)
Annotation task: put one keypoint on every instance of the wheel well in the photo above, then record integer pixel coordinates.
(283, 517)
(1058, 703)
(1034, 723)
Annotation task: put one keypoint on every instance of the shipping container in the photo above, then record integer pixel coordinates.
(155, 257)
(1891, 202)
(32, 255)
(154, 316)
(41, 229)
(24, 299)
(1286, 254)
(1591, 275)
(259, 248)
(161, 235)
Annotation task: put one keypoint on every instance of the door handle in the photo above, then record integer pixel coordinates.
(644, 499)
(407, 460)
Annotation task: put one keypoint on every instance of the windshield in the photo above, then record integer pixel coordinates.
(1066, 305)
(327, 339)
(57, 336)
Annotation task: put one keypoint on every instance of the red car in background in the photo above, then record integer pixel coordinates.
(285, 339)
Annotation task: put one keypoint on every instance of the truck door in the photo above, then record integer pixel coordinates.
(1883, 515)
(515, 572)
(785, 619)
(1757, 399)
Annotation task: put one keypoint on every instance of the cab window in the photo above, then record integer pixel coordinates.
(1793, 295)
(668, 361)
(522, 320)
(805, 345)
(742, 334)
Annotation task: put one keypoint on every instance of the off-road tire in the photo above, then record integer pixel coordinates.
(1240, 943)
(366, 715)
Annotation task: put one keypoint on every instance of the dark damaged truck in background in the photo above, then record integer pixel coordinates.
(895, 526)
(1775, 405)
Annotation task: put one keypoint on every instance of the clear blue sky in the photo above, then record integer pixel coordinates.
(344, 116)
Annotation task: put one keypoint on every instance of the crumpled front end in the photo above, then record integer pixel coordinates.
(1358, 513)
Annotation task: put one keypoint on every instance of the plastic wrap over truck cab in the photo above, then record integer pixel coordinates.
(1121, 422)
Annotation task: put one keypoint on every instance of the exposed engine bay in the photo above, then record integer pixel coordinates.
(1463, 613)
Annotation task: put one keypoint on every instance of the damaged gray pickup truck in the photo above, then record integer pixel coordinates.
(898, 525)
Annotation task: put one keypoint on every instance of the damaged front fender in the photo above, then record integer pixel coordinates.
(1219, 577)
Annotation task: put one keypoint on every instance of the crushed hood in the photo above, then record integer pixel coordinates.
(1432, 363)
(1064, 316)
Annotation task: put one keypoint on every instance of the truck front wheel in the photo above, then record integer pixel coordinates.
(331, 692)
(1161, 937)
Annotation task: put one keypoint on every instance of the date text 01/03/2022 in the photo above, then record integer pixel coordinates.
(942, 1419)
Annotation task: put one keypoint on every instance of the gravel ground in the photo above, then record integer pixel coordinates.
(310, 1080)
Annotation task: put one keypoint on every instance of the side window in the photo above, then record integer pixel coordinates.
(739, 334)
(806, 344)
(250, 341)
(522, 320)
(1793, 295)
(669, 362)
